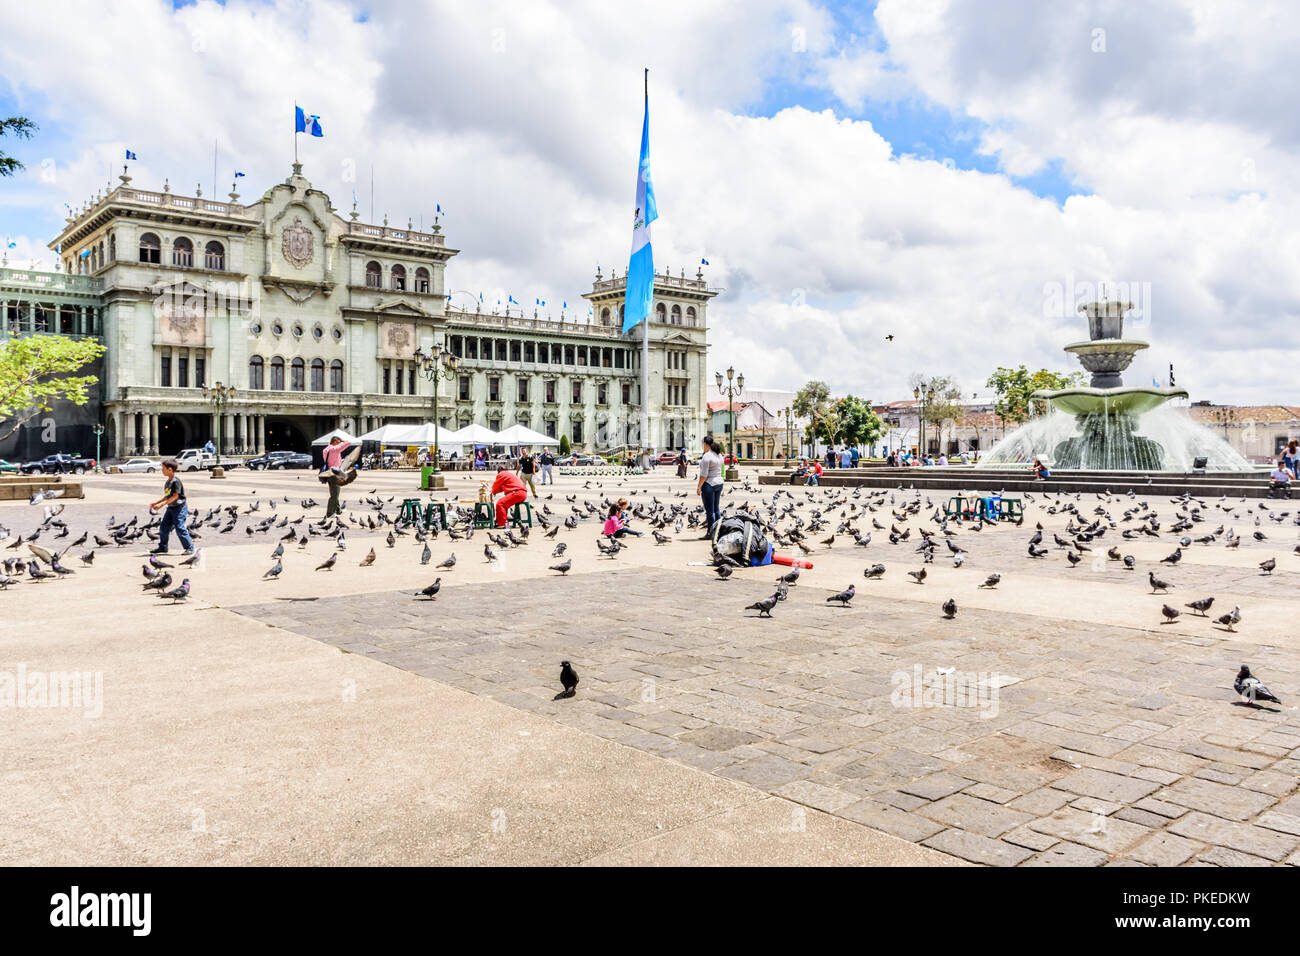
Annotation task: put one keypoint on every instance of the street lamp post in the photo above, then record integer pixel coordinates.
(922, 392)
(732, 473)
(1225, 417)
(435, 366)
(97, 430)
(219, 395)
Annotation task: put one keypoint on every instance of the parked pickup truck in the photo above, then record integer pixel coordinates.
(59, 464)
(196, 459)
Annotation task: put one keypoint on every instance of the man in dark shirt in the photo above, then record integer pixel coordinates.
(176, 511)
(547, 461)
(527, 465)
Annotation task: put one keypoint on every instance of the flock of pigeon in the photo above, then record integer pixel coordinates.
(805, 521)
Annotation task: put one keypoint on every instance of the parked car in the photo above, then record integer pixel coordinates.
(275, 460)
(133, 465)
(8, 467)
(580, 460)
(59, 464)
(666, 457)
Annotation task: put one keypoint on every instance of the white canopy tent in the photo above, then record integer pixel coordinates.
(336, 433)
(390, 434)
(523, 435)
(473, 435)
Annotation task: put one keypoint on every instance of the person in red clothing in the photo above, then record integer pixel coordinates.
(512, 490)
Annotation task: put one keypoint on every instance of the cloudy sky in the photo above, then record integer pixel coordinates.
(956, 173)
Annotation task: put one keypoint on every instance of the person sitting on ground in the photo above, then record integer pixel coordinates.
(512, 492)
(1280, 480)
(1041, 471)
(616, 522)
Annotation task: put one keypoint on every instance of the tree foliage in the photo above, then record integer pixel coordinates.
(37, 370)
(21, 127)
(1014, 386)
(858, 422)
(812, 402)
(565, 447)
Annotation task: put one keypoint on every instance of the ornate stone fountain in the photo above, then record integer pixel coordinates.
(1106, 410)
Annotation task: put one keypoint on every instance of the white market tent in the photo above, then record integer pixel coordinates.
(336, 433)
(523, 435)
(389, 434)
(472, 435)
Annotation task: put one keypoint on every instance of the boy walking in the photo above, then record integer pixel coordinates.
(176, 513)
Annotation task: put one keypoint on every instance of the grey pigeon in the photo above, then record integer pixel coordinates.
(1231, 618)
(764, 607)
(1267, 566)
(723, 571)
(274, 573)
(1171, 613)
(328, 563)
(449, 563)
(432, 590)
(950, 608)
(1201, 606)
(918, 576)
(1156, 583)
(844, 597)
(177, 594)
(875, 572)
(1249, 687)
(563, 567)
(992, 580)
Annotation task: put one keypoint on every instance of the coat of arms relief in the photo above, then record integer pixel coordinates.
(298, 244)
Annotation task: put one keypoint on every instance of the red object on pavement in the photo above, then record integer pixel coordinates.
(790, 562)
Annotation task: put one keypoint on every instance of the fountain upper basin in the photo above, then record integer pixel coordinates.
(1129, 400)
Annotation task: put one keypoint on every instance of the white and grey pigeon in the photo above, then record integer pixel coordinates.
(1249, 687)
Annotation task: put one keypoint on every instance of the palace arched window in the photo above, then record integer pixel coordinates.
(422, 279)
(214, 256)
(604, 316)
(398, 277)
(150, 248)
(661, 313)
(690, 315)
(297, 371)
(677, 315)
(317, 375)
(255, 369)
(336, 376)
(277, 374)
(374, 275)
(182, 252)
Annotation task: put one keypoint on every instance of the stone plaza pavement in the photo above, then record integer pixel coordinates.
(1092, 734)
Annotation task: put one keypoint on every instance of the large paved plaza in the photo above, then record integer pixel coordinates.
(334, 717)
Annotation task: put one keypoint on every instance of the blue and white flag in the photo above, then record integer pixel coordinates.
(315, 126)
(704, 262)
(641, 266)
(300, 124)
(439, 208)
(238, 174)
(84, 253)
(564, 304)
(12, 244)
(1154, 382)
(131, 155)
(511, 298)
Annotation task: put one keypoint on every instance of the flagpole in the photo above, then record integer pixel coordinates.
(645, 330)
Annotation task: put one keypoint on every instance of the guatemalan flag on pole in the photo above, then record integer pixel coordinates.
(641, 267)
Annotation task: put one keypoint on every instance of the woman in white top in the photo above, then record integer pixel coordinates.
(709, 486)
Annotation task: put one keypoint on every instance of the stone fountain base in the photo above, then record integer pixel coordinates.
(1107, 442)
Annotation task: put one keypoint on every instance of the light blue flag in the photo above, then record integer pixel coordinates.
(299, 120)
(12, 244)
(315, 126)
(1155, 383)
(131, 155)
(238, 174)
(704, 262)
(641, 266)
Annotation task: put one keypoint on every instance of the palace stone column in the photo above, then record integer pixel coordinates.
(130, 435)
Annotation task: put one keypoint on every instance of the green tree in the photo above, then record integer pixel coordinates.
(944, 405)
(21, 127)
(859, 424)
(36, 370)
(1014, 386)
(565, 447)
(812, 402)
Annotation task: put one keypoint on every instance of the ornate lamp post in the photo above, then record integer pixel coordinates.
(97, 430)
(732, 473)
(219, 395)
(1225, 417)
(436, 366)
(923, 393)
(785, 415)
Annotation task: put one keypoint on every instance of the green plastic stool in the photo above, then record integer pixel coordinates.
(484, 515)
(516, 518)
(410, 510)
(435, 508)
